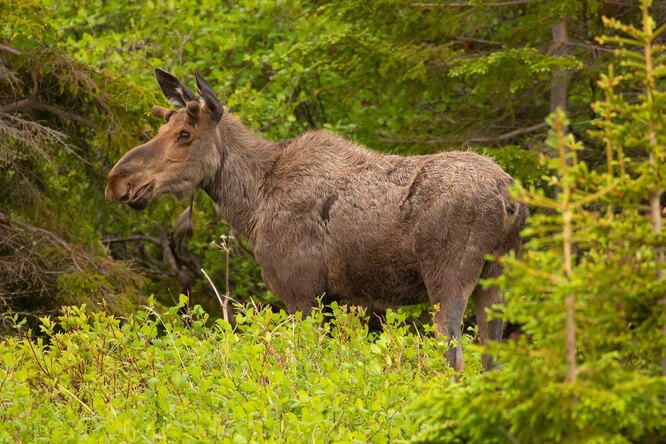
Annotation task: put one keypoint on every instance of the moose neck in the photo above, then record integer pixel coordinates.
(235, 186)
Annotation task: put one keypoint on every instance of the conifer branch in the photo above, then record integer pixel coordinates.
(594, 196)
(31, 103)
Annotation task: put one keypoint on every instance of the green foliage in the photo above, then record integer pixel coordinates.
(272, 377)
(386, 72)
(26, 20)
(516, 68)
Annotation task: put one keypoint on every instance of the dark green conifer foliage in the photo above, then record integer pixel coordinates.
(61, 122)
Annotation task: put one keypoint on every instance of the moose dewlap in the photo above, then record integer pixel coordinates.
(325, 215)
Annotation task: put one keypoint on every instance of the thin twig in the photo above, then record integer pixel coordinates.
(509, 135)
(475, 40)
(224, 305)
(175, 347)
(590, 47)
(488, 139)
(470, 5)
(61, 387)
(139, 237)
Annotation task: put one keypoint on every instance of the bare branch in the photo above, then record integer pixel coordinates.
(10, 50)
(591, 47)
(137, 237)
(489, 139)
(15, 106)
(30, 103)
(470, 5)
(10, 78)
(415, 141)
(509, 135)
(475, 40)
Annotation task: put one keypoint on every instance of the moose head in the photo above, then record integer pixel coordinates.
(178, 159)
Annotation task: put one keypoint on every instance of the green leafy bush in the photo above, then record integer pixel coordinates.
(153, 377)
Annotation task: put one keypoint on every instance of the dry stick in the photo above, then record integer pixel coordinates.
(510, 134)
(475, 40)
(591, 47)
(175, 347)
(489, 139)
(223, 303)
(62, 388)
(470, 5)
(132, 238)
(10, 50)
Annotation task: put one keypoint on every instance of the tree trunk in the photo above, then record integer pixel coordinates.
(559, 82)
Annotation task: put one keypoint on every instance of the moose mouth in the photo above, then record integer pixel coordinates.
(142, 197)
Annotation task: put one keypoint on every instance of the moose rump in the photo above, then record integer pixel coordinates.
(324, 215)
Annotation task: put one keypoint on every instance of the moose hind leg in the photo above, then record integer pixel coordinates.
(485, 298)
(451, 289)
(448, 322)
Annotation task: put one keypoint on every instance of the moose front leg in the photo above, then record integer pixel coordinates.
(296, 284)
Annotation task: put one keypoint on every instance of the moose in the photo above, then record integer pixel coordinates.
(324, 215)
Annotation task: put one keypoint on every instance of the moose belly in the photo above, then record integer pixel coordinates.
(375, 284)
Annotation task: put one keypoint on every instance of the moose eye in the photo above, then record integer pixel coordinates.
(183, 135)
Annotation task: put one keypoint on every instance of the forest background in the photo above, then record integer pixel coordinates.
(76, 86)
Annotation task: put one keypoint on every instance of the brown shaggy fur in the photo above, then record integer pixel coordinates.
(325, 215)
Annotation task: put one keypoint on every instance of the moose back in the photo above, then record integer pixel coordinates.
(324, 215)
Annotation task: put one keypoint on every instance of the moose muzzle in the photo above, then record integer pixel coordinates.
(127, 184)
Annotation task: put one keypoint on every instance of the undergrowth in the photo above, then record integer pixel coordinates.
(151, 377)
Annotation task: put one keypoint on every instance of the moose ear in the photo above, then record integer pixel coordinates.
(177, 93)
(193, 110)
(161, 112)
(213, 104)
